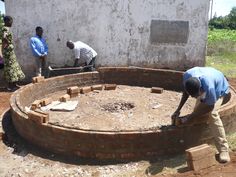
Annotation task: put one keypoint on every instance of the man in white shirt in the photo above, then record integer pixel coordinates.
(84, 54)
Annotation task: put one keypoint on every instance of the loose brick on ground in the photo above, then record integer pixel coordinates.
(46, 101)
(157, 90)
(73, 90)
(199, 152)
(38, 79)
(203, 163)
(74, 95)
(97, 87)
(200, 157)
(110, 86)
(64, 98)
(86, 90)
(35, 104)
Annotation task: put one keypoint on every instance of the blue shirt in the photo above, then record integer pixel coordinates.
(213, 83)
(39, 46)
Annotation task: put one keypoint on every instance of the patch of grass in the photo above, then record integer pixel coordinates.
(221, 51)
(226, 63)
(221, 41)
(232, 141)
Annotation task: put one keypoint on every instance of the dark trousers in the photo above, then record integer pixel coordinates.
(92, 64)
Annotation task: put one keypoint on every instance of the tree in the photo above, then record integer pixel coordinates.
(1, 26)
(232, 18)
(226, 22)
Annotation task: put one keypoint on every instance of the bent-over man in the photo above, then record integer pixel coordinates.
(84, 54)
(209, 87)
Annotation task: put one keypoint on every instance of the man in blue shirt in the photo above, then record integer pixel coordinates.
(209, 87)
(40, 51)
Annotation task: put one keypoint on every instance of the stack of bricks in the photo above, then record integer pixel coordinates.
(73, 91)
(38, 79)
(200, 157)
(157, 90)
(110, 87)
(38, 103)
(38, 117)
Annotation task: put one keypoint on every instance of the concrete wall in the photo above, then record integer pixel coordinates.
(119, 30)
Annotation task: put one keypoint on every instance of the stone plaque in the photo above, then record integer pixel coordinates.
(170, 32)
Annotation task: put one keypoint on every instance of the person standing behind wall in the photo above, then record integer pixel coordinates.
(84, 54)
(40, 51)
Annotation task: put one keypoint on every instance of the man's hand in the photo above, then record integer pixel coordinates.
(42, 56)
(175, 115)
(185, 119)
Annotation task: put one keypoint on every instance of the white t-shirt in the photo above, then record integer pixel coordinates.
(84, 52)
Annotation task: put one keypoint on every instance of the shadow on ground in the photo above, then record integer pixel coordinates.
(173, 163)
(22, 148)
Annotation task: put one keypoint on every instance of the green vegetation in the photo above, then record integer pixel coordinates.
(232, 141)
(221, 51)
(1, 25)
(219, 35)
(226, 22)
(221, 47)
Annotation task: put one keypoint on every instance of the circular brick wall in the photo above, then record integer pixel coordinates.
(137, 144)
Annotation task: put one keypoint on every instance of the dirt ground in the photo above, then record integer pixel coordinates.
(19, 158)
(126, 108)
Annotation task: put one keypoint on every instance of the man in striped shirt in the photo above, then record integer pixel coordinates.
(84, 54)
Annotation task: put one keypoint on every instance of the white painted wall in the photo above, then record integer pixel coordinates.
(118, 30)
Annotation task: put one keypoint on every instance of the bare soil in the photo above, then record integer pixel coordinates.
(126, 108)
(19, 158)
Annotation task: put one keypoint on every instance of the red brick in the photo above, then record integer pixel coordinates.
(74, 95)
(65, 98)
(203, 163)
(1, 133)
(72, 90)
(38, 79)
(37, 117)
(45, 115)
(110, 87)
(105, 156)
(35, 104)
(200, 157)
(46, 101)
(86, 90)
(157, 90)
(97, 87)
(199, 152)
(127, 155)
